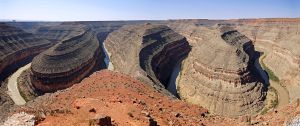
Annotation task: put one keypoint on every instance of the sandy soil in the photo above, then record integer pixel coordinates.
(127, 101)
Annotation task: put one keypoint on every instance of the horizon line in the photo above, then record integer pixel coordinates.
(20, 20)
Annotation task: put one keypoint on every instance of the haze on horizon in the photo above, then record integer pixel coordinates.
(97, 10)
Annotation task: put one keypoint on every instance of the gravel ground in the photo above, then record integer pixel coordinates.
(20, 119)
(294, 122)
(5, 102)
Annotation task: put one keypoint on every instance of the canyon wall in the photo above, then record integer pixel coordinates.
(219, 73)
(147, 52)
(31, 27)
(102, 29)
(17, 46)
(279, 40)
(66, 63)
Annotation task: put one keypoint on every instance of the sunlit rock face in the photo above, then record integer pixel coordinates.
(219, 73)
(279, 39)
(147, 52)
(66, 63)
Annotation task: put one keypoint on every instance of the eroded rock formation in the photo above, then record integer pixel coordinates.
(66, 63)
(219, 73)
(279, 39)
(146, 51)
(15, 46)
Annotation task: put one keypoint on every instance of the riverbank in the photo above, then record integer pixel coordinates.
(26, 89)
(109, 64)
(12, 86)
(283, 94)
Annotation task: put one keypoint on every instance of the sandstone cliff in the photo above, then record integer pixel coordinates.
(17, 46)
(219, 73)
(147, 52)
(279, 39)
(65, 63)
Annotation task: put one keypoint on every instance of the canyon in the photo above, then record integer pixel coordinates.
(17, 48)
(65, 63)
(224, 81)
(17, 45)
(174, 72)
(279, 40)
(152, 51)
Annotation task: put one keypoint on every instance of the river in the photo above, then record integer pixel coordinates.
(12, 86)
(109, 65)
(172, 86)
(173, 79)
(283, 95)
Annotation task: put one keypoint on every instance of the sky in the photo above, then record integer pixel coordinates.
(97, 10)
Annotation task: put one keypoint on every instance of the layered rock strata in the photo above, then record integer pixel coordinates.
(66, 63)
(219, 73)
(146, 51)
(17, 46)
(32, 27)
(60, 32)
(279, 39)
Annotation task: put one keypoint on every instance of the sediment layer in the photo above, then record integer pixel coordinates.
(279, 40)
(219, 73)
(17, 45)
(146, 51)
(66, 63)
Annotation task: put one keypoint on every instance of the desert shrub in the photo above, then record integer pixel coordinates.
(271, 74)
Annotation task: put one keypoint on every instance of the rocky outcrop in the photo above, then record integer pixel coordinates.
(124, 99)
(16, 47)
(219, 73)
(101, 120)
(5, 103)
(66, 63)
(20, 119)
(146, 51)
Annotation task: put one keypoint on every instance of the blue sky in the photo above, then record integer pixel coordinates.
(84, 10)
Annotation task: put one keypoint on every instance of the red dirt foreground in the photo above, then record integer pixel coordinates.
(125, 100)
